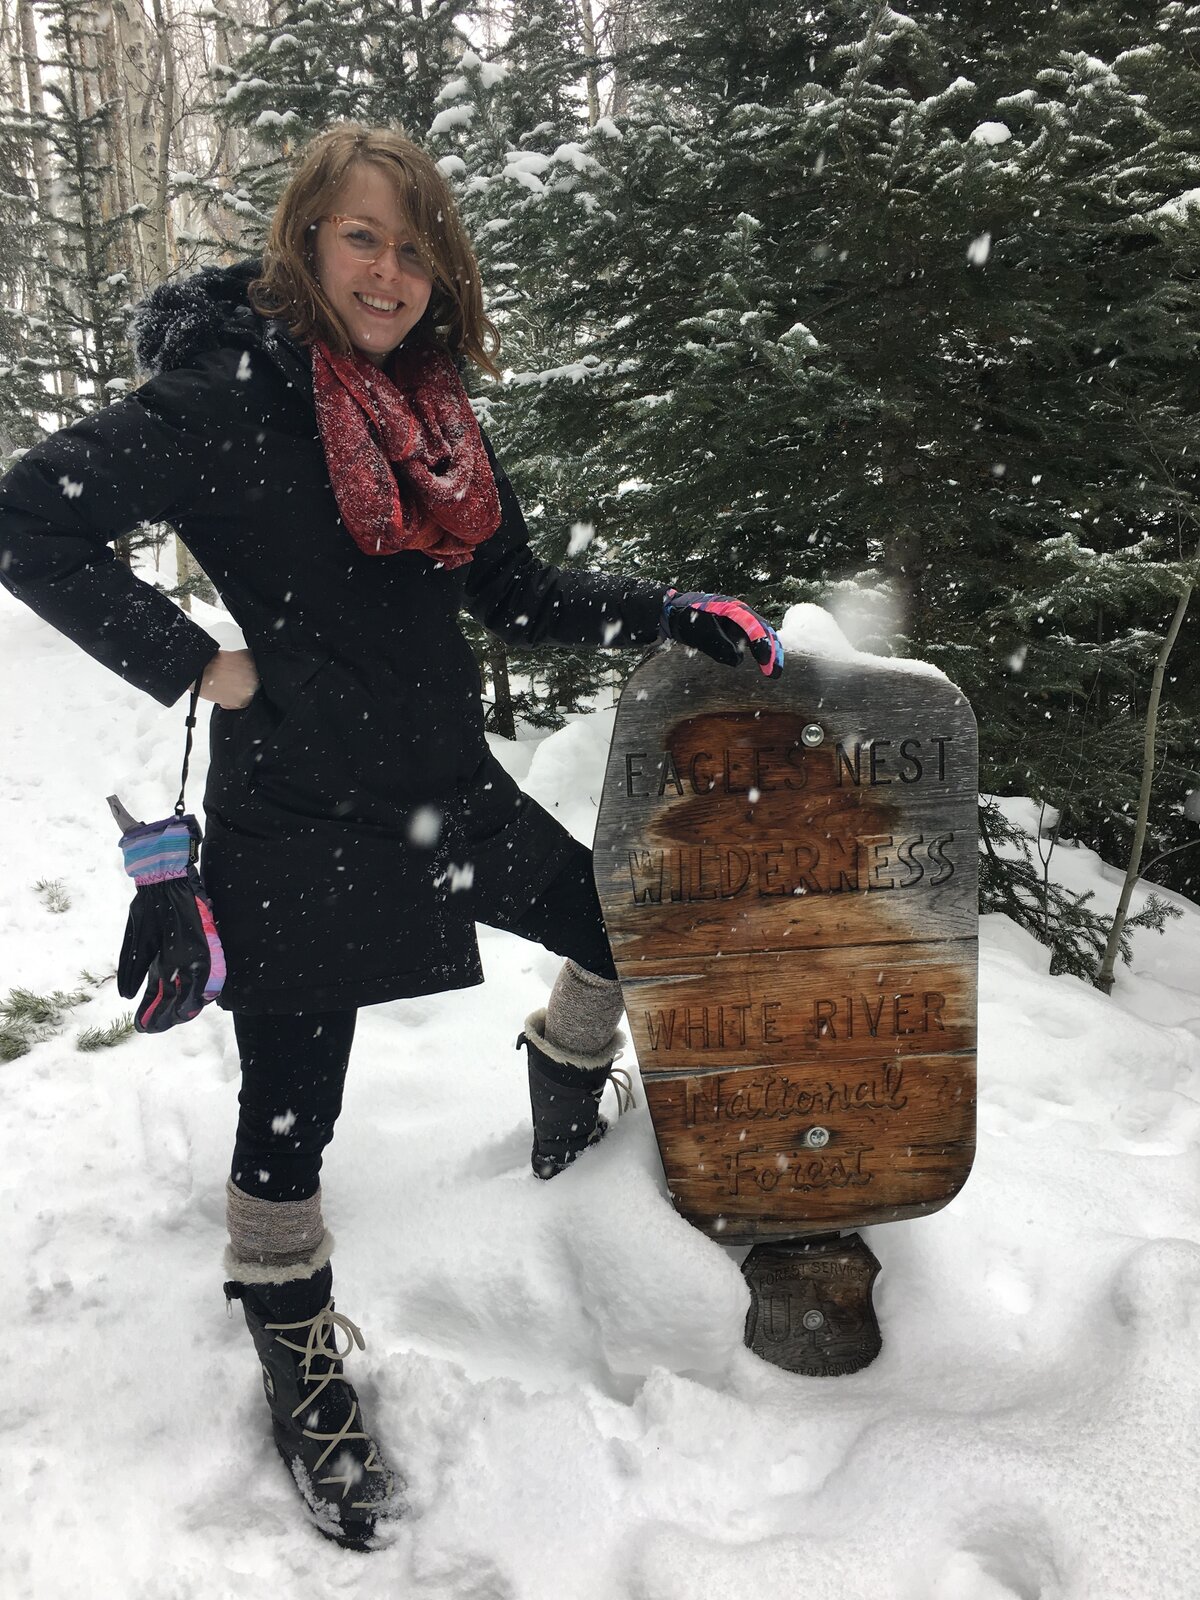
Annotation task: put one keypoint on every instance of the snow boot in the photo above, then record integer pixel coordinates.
(319, 1429)
(565, 1094)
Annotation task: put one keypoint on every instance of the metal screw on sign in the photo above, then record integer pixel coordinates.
(812, 734)
(813, 1320)
(817, 1138)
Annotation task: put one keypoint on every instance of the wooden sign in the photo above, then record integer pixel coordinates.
(788, 875)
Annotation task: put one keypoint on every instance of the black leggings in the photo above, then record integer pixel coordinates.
(294, 1066)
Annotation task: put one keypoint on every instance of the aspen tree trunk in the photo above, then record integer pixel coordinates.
(117, 166)
(227, 224)
(588, 19)
(33, 84)
(115, 252)
(162, 208)
(75, 74)
(64, 376)
(83, 40)
(79, 77)
(487, 16)
(12, 96)
(1106, 976)
(623, 34)
(185, 569)
(137, 66)
(13, 76)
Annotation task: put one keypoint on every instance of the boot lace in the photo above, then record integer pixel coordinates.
(322, 1341)
(622, 1082)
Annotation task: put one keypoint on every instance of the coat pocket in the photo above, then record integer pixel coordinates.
(296, 723)
(243, 742)
(362, 746)
(304, 766)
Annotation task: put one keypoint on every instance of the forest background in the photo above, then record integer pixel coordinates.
(894, 312)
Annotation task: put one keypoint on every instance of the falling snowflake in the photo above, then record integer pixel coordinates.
(459, 878)
(425, 827)
(582, 534)
(979, 250)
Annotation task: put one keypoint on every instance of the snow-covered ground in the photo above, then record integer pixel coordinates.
(558, 1368)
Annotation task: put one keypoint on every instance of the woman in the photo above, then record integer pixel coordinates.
(306, 431)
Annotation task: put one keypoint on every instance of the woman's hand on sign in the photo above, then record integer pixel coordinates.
(723, 628)
(230, 679)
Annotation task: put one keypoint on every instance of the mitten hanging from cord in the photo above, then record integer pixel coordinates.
(171, 940)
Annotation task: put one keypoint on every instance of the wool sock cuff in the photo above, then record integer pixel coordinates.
(582, 1012)
(274, 1241)
(591, 980)
(581, 1060)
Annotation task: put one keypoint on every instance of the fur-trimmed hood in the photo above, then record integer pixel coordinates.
(185, 317)
(182, 318)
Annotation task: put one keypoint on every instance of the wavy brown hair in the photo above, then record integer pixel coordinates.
(288, 287)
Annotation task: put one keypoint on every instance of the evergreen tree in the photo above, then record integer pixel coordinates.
(1092, 406)
(508, 133)
(26, 353)
(316, 62)
(871, 305)
(91, 289)
(101, 214)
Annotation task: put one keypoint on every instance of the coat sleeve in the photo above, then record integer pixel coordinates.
(61, 505)
(527, 601)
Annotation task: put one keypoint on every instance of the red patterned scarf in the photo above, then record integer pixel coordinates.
(441, 499)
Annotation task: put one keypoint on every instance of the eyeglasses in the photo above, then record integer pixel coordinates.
(365, 243)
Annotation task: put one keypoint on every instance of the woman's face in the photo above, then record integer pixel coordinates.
(379, 301)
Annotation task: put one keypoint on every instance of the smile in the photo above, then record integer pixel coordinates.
(373, 304)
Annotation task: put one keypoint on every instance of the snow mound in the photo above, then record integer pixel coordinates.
(810, 630)
(558, 1368)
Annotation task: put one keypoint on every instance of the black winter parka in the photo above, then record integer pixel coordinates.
(357, 826)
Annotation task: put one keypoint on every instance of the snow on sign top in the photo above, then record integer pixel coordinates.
(808, 630)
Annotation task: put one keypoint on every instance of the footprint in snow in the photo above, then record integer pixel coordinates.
(499, 1158)
(1010, 1559)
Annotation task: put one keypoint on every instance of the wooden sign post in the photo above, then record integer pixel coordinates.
(788, 876)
